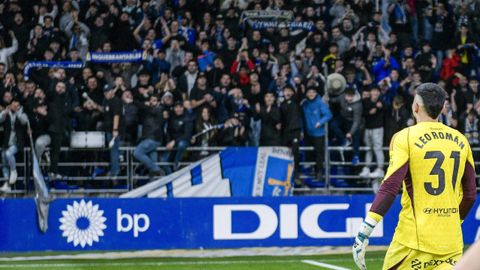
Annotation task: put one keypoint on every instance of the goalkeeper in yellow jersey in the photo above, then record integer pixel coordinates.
(433, 165)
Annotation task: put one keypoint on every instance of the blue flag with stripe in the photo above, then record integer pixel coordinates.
(234, 172)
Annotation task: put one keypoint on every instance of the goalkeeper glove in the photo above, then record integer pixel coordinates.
(361, 242)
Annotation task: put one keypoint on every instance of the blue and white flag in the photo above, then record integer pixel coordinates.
(266, 15)
(94, 57)
(261, 19)
(42, 199)
(50, 64)
(276, 24)
(234, 172)
(116, 57)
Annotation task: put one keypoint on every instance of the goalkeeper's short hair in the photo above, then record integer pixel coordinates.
(433, 98)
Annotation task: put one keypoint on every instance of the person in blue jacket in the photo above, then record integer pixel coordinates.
(317, 114)
(384, 67)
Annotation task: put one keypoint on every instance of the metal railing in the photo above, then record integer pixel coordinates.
(84, 172)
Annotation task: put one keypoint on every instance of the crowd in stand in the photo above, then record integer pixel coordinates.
(209, 79)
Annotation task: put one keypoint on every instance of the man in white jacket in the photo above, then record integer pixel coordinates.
(14, 120)
(6, 52)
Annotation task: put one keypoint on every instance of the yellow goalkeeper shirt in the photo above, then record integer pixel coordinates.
(433, 164)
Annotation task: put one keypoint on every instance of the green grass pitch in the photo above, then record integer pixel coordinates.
(339, 262)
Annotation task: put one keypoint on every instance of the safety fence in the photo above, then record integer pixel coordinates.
(84, 171)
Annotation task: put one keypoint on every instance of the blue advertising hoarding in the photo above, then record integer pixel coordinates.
(174, 223)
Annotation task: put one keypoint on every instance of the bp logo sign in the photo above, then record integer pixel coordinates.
(82, 223)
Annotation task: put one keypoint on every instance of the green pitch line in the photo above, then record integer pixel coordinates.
(336, 262)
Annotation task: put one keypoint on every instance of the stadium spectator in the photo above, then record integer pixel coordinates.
(385, 65)
(471, 128)
(239, 109)
(448, 115)
(466, 48)
(39, 124)
(396, 118)
(113, 125)
(399, 12)
(175, 55)
(215, 74)
(156, 64)
(187, 80)
(90, 117)
(291, 120)
(77, 34)
(269, 116)
(132, 117)
(179, 132)
(201, 94)
(373, 111)
(346, 125)
(93, 90)
(6, 52)
(426, 61)
(152, 135)
(343, 43)
(206, 131)
(58, 110)
(143, 89)
(241, 66)
(330, 59)
(317, 114)
(254, 96)
(205, 60)
(14, 125)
